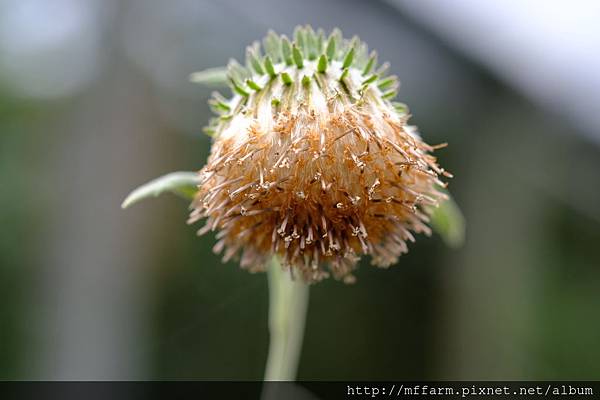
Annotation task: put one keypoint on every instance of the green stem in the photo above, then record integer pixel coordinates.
(287, 313)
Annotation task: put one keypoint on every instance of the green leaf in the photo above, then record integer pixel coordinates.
(183, 184)
(211, 76)
(448, 221)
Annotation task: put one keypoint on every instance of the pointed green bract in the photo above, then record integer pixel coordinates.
(300, 38)
(344, 74)
(387, 82)
(269, 67)
(361, 54)
(272, 46)
(401, 108)
(382, 70)
(286, 78)
(320, 40)
(254, 62)
(322, 65)
(237, 72)
(370, 79)
(389, 95)
(306, 80)
(286, 50)
(370, 64)
(238, 89)
(311, 43)
(223, 106)
(331, 47)
(338, 40)
(298, 56)
(348, 58)
(253, 85)
(219, 106)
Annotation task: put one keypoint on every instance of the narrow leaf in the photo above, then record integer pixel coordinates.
(448, 221)
(183, 184)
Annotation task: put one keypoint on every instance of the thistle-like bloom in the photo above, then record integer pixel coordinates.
(312, 161)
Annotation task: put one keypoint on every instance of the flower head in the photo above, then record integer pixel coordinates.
(313, 162)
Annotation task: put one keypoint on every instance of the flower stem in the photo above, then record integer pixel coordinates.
(288, 302)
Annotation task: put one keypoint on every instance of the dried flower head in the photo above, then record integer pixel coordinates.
(313, 162)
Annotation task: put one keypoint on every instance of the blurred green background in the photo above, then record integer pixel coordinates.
(95, 100)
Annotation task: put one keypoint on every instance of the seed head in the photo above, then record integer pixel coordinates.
(312, 161)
